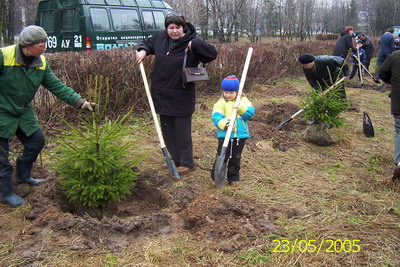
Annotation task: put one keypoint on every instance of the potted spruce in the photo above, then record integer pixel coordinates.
(92, 158)
(323, 109)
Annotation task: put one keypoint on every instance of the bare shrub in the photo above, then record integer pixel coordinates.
(327, 36)
(270, 62)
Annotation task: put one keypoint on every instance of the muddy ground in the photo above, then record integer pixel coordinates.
(156, 207)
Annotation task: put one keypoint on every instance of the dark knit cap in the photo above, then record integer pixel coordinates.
(306, 58)
(32, 35)
(230, 83)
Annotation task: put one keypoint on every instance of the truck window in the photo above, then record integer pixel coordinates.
(159, 19)
(113, 2)
(158, 3)
(69, 20)
(96, 2)
(148, 20)
(129, 2)
(47, 20)
(144, 3)
(125, 19)
(99, 19)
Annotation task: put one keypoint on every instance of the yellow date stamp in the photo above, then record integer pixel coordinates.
(314, 246)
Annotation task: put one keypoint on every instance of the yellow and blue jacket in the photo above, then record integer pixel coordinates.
(222, 113)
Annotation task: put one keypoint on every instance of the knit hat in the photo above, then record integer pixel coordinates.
(306, 58)
(32, 35)
(230, 83)
(348, 28)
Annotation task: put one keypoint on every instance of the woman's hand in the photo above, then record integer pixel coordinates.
(140, 56)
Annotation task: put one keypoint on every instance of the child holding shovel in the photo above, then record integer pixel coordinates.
(221, 118)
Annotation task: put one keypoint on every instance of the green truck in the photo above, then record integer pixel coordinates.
(84, 25)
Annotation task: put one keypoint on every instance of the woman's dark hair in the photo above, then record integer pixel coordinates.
(175, 19)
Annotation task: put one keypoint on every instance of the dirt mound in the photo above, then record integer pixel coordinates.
(382, 87)
(267, 118)
(155, 207)
(219, 217)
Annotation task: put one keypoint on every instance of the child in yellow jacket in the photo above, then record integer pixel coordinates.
(221, 115)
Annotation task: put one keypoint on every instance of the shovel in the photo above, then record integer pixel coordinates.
(220, 164)
(359, 66)
(286, 122)
(170, 164)
(366, 70)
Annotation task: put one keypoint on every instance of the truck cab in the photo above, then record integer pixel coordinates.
(84, 25)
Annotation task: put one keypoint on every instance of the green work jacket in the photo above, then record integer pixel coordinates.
(18, 86)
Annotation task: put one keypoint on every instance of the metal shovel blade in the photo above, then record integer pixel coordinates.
(170, 164)
(284, 124)
(220, 169)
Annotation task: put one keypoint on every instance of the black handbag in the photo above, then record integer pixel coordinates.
(193, 74)
(368, 129)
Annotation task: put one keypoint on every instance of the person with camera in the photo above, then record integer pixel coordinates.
(174, 101)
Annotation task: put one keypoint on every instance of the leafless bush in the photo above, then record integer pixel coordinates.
(327, 36)
(270, 62)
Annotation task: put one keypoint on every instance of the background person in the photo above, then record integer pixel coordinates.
(23, 69)
(368, 47)
(355, 63)
(323, 71)
(173, 100)
(344, 43)
(387, 45)
(221, 115)
(389, 72)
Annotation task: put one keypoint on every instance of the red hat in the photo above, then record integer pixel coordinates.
(348, 28)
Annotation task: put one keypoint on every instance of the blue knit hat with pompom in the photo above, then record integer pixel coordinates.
(230, 83)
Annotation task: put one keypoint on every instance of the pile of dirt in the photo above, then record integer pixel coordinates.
(155, 207)
(381, 87)
(267, 118)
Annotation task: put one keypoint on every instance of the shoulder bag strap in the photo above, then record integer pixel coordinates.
(184, 59)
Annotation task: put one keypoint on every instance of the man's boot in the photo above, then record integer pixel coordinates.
(7, 192)
(24, 173)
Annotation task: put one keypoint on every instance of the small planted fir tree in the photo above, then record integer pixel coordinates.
(92, 157)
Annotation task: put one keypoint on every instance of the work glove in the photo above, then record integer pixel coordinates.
(88, 106)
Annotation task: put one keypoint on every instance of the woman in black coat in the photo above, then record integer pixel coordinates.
(344, 43)
(173, 100)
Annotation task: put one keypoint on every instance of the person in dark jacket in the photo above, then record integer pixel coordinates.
(387, 46)
(173, 100)
(23, 69)
(389, 72)
(368, 47)
(323, 71)
(344, 43)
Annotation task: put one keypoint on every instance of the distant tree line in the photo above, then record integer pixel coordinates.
(288, 19)
(227, 20)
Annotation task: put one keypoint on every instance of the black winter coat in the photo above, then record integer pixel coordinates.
(389, 72)
(368, 47)
(343, 45)
(325, 68)
(170, 96)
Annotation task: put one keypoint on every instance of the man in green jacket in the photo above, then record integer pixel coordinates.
(23, 69)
